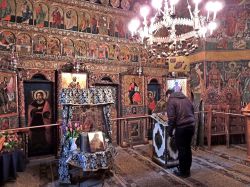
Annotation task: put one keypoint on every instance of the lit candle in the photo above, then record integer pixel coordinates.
(196, 4)
(209, 7)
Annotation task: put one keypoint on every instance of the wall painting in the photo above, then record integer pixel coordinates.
(8, 94)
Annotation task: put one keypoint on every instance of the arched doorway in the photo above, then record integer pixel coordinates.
(39, 110)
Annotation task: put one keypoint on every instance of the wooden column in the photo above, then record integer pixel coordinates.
(246, 112)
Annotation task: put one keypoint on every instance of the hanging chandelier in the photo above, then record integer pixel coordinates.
(168, 34)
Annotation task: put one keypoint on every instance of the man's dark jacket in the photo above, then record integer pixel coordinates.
(180, 110)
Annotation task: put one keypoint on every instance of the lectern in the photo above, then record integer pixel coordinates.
(164, 149)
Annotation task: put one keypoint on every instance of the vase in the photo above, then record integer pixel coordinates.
(73, 145)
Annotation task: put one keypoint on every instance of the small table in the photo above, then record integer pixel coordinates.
(11, 163)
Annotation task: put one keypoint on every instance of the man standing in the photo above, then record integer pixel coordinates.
(180, 113)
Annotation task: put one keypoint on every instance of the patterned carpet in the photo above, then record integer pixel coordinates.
(134, 168)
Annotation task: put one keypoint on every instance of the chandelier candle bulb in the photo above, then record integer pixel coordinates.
(163, 25)
(157, 4)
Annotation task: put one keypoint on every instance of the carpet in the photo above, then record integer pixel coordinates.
(135, 168)
(130, 170)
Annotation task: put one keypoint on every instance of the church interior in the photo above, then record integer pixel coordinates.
(83, 91)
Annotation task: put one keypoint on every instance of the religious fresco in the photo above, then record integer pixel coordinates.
(39, 45)
(136, 131)
(68, 48)
(50, 45)
(103, 25)
(120, 28)
(41, 15)
(42, 48)
(111, 26)
(115, 3)
(179, 64)
(7, 10)
(153, 94)
(7, 39)
(81, 48)
(104, 2)
(197, 83)
(54, 46)
(84, 22)
(143, 55)
(214, 76)
(114, 51)
(94, 24)
(133, 90)
(134, 54)
(4, 123)
(24, 43)
(9, 122)
(8, 94)
(56, 18)
(103, 78)
(136, 7)
(229, 81)
(125, 4)
(124, 54)
(103, 52)
(70, 20)
(27, 76)
(92, 50)
(24, 14)
(74, 80)
(13, 122)
(245, 84)
(233, 30)
(39, 107)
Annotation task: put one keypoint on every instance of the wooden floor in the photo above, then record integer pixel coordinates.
(133, 167)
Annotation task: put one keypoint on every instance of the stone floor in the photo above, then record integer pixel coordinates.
(133, 167)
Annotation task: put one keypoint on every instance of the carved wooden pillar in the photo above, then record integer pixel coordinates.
(246, 112)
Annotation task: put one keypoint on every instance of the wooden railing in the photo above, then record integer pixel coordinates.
(125, 122)
(24, 133)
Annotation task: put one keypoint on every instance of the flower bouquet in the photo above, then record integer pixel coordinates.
(11, 141)
(72, 133)
(2, 139)
(72, 130)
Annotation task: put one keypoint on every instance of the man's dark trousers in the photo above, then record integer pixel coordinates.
(183, 138)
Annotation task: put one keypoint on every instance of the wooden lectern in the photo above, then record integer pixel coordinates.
(164, 149)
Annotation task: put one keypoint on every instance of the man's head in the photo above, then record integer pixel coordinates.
(74, 79)
(169, 92)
